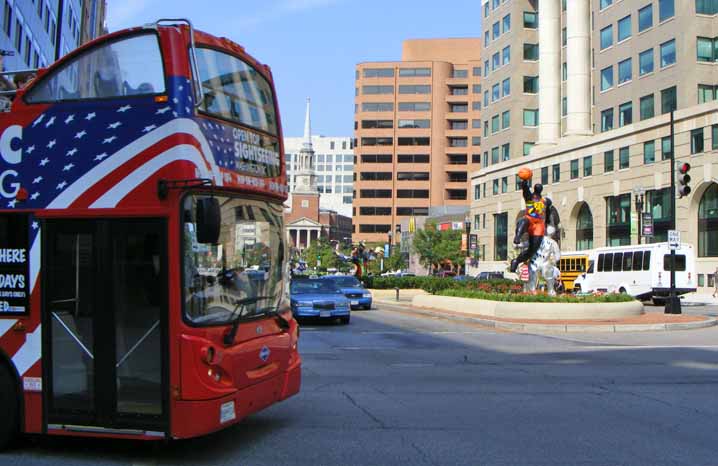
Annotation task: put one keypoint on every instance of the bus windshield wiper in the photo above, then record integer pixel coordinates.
(238, 305)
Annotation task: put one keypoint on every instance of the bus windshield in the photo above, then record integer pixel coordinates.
(219, 281)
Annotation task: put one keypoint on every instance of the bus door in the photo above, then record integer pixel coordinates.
(104, 303)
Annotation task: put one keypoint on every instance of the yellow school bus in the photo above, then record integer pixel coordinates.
(571, 265)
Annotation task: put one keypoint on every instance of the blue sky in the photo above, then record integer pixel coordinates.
(312, 46)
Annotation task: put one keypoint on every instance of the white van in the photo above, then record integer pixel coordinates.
(642, 271)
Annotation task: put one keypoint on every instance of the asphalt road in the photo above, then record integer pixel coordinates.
(393, 388)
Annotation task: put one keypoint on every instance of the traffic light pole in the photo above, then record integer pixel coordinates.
(673, 305)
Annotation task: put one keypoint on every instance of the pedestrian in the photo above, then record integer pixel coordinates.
(715, 282)
(23, 79)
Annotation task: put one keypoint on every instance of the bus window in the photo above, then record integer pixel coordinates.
(617, 258)
(680, 262)
(590, 267)
(637, 260)
(604, 262)
(627, 260)
(235, 91)
(582, 265)
(127, 66)
(646, 260)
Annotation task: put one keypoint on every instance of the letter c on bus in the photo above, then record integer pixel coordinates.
(11, 156)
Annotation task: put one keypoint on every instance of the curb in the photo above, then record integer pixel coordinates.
(561, 328)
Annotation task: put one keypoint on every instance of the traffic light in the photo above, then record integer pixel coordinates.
(683, 179)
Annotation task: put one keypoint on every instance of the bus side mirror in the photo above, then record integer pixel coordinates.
(209, 219)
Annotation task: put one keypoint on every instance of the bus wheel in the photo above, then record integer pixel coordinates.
(8, 407)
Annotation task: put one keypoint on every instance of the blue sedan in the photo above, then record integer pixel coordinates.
(319, 298)
(359, 297)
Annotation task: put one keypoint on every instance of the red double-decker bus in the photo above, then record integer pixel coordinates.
(143, 278)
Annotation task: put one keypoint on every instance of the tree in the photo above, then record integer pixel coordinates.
(436, 248)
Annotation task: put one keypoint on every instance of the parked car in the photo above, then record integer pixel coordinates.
(359, 297)
(490, 276)
(398, 273)
(445, 273)
(318, 298)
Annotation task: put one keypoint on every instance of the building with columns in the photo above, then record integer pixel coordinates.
(305, 220)
(605, 74)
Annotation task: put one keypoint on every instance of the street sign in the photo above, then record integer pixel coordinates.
(647, 224)
(674, 238)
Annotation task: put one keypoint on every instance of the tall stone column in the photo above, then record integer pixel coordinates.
(578, 57)
(549, 71)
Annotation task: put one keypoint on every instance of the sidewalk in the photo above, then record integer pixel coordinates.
(648, 322)
(699, 299)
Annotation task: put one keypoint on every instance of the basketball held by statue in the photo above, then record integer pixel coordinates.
(525, 173)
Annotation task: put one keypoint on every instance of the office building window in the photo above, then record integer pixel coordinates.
(666, 151)
(544, 175)
(506, 55)
(531, 84)
(495, 187)
(495, 155)
(649, 152)
(708, 224)
(476, 89)
(618, 216)
(706, 49)
(696, 141)
(501, 236)
(487, 38)
(607, 120)
(573, 174)
(606, 37)
(608, 161)
(555, 173)
(495, 124)
(645, 17)
(624, 28)
(706, 7)
(495, 61)
(564, 106)
(647, 107)
(625, 114)
(506, 87)
(476, 71)
(668, 53)
(588, 165)
(506, 23)
(495, 30)
(531, 117)
(605, 3)
(371, 90)
(414, 72)
(531, 52)
(666, 10)
(530, 20)
(706, 93)
(606, 78)
(625, 69)
(413, 106)
(505, 152)
(527, 148)
(415, 89)
(379, 72)
(505, 119)
(623, 158)
(668, 100)
(714, 137)
(645, 62)
(504, 184)
(495, 92)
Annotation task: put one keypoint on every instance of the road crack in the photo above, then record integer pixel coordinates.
(365, 411)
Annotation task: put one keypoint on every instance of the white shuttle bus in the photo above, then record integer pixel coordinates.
(643, 271)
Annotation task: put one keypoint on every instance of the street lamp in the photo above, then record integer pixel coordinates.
(467, 226)
(638, 192)
(389, 251)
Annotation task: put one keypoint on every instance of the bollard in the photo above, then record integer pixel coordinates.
(397, 293)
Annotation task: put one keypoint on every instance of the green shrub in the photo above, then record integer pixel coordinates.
(535, 298)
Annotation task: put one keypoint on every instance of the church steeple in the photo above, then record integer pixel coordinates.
(306, 176)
